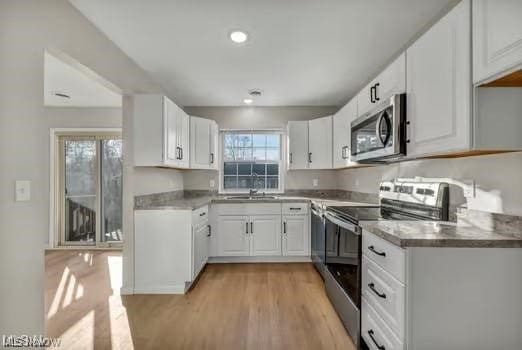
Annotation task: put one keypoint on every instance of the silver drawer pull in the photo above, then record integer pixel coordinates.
(203, 214)
(293, 208)
(372, 287)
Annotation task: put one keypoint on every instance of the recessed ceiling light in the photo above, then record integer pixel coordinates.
(248, 101)
(238, 36)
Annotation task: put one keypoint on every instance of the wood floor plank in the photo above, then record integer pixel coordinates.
(233, 306)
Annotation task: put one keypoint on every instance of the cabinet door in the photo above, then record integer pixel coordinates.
(233, 236)
(296, 236)
(214, 145)
(200, 249)
(365, 101)
(342, 133)
(392, 80)
(298, 145)
(389, 82)
(320, 143)
(497, 37)
(200, 143)
(439, 86)
(184, 138)
(265, 232)
(170, 114)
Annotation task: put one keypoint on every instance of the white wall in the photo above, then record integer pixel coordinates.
(27, 28)
(261, 118)
(498, 179)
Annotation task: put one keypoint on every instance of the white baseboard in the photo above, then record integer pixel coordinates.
(172, 289)
(258, 259)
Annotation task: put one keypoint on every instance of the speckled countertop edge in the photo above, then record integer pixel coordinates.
(432, 234)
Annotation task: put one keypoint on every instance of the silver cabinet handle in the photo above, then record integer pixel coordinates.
(251, 227)
(246, 230)
(284, 227)
(209, 230)
(291, 158)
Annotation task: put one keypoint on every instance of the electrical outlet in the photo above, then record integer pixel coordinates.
(212, 183)
(468, 188)
(315, 182)
(22, 190)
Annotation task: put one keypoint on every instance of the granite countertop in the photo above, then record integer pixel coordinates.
(195, 202)
(440, 234)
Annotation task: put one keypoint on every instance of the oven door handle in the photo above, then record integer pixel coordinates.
(344, 224)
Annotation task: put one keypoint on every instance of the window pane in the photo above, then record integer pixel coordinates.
(259, 183)
(229, 154)
(272, 154)
(230, 169)
(259, 154)
(245, 169)
(243, 140)
(80, 191)
(244, 154)
(111, 176)
(230, 182)
(244, 182)
(272, 182)
(272, 169)
(272, 141)
(259, 169)
(229, 141)
(259, 140)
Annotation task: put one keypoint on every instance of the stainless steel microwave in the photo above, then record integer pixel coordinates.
(380, 135)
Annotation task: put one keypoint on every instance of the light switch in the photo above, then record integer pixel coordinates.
(315, 182)
(23, 190)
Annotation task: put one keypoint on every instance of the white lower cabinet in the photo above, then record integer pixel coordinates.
(296, 235)
(262, 230)
(249, 235)
(233, 236)
(449, 298)
(200, 244)
(374, 331)
(265, 235)
(170, 249)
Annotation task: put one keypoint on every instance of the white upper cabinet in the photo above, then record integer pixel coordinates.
(298, 145)
(390, 82)
(497, 38)
(439, 86)
(320, 143)
(341, 134)
(203, 143)
(160, 132)
(214, 145)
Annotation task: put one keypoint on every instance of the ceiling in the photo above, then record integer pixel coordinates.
(299, 52)
(84, 88)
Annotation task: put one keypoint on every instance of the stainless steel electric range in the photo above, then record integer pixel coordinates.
(341, 271)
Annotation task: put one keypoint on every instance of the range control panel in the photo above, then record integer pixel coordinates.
(426, 193)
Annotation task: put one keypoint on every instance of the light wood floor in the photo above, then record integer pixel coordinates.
(233, 306)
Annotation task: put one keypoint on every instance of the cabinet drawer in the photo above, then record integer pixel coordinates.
(388, 256)
(248, 209)
(199, 215)
(295, 208)
(375, 332)
(385, 294)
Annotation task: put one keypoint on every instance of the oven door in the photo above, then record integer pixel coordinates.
(343, 254)
(318, 241)
(343, 272)
(381, 134)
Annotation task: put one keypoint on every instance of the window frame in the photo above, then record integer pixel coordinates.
(281, 162)
(57, 188)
